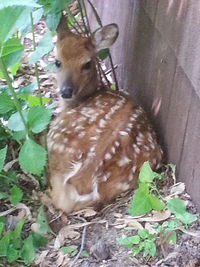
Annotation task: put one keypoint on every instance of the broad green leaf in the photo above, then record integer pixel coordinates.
(12, 52)
(39, 241)
(146, 174)
(140, 203)
(16, 195)
(12, 17)
(44, 47)
(103, 54)
(38, 118)
(28, 251)
(1, 228)
(3, 153)
(34, 100)
(71, 251)
(15, 122)
(4, 243)
(84, 254)
(144, 234)
(135, 250)
(42, 221)
(52, 20)
(16, 234)
(149, 248)
(129, 241)
(172, 238)
(27, 90)
(7, 3)
(32, 157)
(6, 103)
(178, 207)
(18, 136)
(156, 204)
(12, 254)
(15, 68)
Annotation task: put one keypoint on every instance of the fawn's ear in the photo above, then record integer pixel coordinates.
(62, 29)
(105, 36)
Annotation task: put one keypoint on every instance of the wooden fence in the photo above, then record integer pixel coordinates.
(158, 57)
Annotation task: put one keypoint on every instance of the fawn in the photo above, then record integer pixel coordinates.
(100, 139)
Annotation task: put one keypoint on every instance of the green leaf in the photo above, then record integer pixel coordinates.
(172, 238)
(129, 241)
(15, 68)
(12, 17)
(146, 174)
(52, 20)
(12, 254)
(16, 234)
(84, 254)
(149, 248)
(178, 207)
(34, 100)
(16, 195)
(15, 122)
(11, 3)
(45, 46)
(71, 251)
(28, 251)
(4, 243)
(135, 250)
(12, 52)
(39, 241)
(3, 153)
(140, 203)
(103, 54)
(27, 90)
(32, 157)
(18, 136)
(156, 204)
(42, 221)
(6, 103)
(144, 234)
(1, 228)
(38, 118)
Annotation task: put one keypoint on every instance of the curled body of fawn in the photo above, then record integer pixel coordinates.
(100, 139)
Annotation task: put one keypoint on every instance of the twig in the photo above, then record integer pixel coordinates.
(109, 55)
(82, 16)
(82, 243)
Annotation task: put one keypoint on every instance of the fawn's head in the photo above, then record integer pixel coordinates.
(76, 60)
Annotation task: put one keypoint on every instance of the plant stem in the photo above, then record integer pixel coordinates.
(36, 66)
(14, 95)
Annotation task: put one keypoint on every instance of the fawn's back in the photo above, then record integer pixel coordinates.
(100, 139)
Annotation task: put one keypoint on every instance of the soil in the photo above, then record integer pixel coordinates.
(109, 223)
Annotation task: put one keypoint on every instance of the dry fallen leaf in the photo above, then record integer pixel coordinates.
(158, 216)
(177, 189)
(88, 212)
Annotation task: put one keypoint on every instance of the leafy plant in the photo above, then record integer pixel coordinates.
(144, 199)
(14, 248)
(143, 241)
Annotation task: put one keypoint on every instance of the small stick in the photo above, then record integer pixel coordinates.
(82, 243)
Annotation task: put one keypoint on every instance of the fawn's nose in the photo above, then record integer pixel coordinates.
(66, 91)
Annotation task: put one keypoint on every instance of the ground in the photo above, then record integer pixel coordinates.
(99, 230)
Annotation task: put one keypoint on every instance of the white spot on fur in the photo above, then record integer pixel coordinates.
(123, 133)
(113, 150)
(81, 134)
(74, 170)
(107, 156)
(134, 169)
(117, 144)
(65, 140)
(102, 123)
(123, 161)
(94, 138)
(122, 186)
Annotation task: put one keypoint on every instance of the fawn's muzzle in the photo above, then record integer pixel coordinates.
(66, 91)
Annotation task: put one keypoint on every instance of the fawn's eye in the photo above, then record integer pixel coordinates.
(87, 66)
(58, 63)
